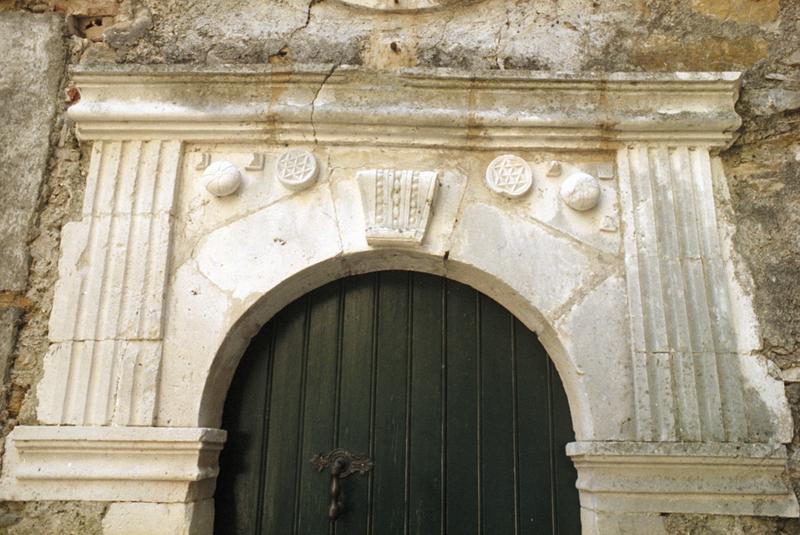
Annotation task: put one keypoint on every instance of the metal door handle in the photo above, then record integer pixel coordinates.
(342, 463)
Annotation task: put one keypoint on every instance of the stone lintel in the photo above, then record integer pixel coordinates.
(146, 464)
(419, 107)
(711, 478)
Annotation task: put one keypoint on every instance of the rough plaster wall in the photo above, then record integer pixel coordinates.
(760, 37)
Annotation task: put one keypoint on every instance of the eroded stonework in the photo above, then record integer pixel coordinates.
(407, 5)
(148, 368)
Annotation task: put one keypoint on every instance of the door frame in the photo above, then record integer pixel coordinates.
(145, 369)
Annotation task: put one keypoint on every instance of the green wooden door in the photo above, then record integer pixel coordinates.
(454, 400)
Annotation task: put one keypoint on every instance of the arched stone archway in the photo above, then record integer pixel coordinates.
(585, 204)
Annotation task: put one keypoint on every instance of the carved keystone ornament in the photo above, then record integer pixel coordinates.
(397, 204)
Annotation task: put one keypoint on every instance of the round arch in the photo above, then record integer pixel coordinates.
(345, 348)
(263, 309)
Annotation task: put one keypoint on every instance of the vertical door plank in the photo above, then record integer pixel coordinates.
(533, 433)
(355, 404)
(496, 430)
(286, 397)
(240, 461)
(389, 473)
(425, 434)
(319, 408)
(567, 502)
(462, 410)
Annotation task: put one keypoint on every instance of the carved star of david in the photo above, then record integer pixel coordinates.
(509, 175)
(296, 168)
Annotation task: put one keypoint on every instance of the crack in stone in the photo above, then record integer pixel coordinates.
(314, 100)
(498, 41)
(303, 26)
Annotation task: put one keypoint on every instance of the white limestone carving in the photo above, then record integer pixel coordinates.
(106, 326)
(256, 163)
(605, 171)
(580, 191)
(676, 477)
(203, 161)
(222, 178)
(509, 175)
(297, 169)
(419, 107)
(554, 169)
(148, 464)
(688, 370)
(397, 204)
(152, 311)
(143, 518)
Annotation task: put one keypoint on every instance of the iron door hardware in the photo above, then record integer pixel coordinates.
(342, 464)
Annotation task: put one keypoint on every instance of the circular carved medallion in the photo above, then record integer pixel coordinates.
(580, 191)
(296, 169)
(222, 178)
(509, 175)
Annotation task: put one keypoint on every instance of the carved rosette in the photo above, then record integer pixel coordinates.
(222, 178)
(397, 205)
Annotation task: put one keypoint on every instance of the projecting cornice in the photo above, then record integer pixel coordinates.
(422, 107)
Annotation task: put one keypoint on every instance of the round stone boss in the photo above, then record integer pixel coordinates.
(580, 191)
(296, 169)
(222, 178)
(509, 175)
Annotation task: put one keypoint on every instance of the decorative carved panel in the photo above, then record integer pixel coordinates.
(615, 253)
(397, 204)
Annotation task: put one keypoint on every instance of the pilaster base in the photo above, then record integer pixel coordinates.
(711, 478)
(137, 464)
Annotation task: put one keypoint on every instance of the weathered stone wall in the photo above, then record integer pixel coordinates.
(41, 172)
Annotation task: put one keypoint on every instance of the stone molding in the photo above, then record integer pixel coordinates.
(162, 284)
(148, 464)
(106, 326)
(687, 381)
(716, 478)
(422, 107)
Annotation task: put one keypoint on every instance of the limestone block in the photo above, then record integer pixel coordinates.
(443, 211)
(257, 252)
(651, 477)
(616, 523)
(594, 332)
(31, 67)
(148, 464)
(201, 313)
(140, 518)
(359, 107)
(598, 227)
(764, 398)
(198, 213)
(547, 283)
